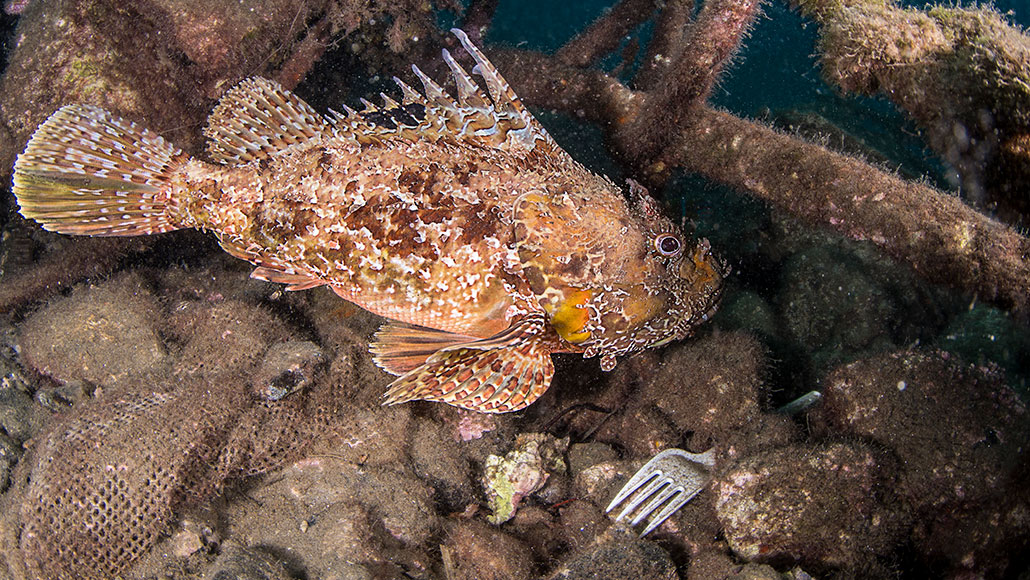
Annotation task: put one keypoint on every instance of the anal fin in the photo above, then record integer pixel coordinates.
(293, 281)
(503, 373)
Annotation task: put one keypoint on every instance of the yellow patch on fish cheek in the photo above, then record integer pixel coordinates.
(570, 318)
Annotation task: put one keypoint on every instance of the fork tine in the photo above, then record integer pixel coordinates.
(668, 481)
(672, 507)
(644, 495)
(663, 494)
(631, 486)
(641, 494)
(646, 472)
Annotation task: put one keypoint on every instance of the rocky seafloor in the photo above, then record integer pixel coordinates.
(180, 420)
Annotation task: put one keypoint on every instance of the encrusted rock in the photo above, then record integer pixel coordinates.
(824, 506)
(223, 337)
(398, 500)
(709, 386)
(437, 459)
(19, 417)
(238, 563)
(962, 437)
(618, 556)
(10, 452)
(584, 455)
(287, 367)
(521, 472)
(476, 551)
(104, 335)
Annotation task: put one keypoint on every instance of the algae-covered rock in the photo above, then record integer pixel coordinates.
(618, 556)
(521, 472)
(476, 551)
(239, 563)
(828, 507)
(104, 335)
(287, 367)
(961, 436)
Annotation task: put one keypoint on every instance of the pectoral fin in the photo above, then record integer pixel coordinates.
(503, 373)
(399, 348)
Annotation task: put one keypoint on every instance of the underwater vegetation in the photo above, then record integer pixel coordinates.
(162, 415)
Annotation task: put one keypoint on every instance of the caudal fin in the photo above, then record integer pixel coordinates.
(88, 172)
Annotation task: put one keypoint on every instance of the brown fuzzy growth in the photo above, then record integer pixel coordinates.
(962, 73)
(944, 240)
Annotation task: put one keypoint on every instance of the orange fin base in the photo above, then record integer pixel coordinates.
(500, 374)
(399, 348)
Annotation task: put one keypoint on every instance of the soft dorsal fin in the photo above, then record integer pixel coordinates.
(257, 118)
(399, 347)
(495, 118)
(503, 373)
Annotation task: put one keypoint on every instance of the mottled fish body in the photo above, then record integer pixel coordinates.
(459, 219)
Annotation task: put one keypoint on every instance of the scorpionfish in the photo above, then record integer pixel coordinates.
(455, 216)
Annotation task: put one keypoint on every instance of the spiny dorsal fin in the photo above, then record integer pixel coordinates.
(469, 94)
(504, 373)
(498, 120)
(504, 98)
(257, 118)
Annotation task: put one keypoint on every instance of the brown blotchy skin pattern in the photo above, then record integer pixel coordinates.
(420, 232)
(459, 216)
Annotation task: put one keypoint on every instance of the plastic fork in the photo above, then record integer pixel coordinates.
(668, 481)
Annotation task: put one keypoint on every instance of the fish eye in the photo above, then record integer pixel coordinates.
(667, 244)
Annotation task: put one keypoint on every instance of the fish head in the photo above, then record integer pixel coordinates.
(615, 277)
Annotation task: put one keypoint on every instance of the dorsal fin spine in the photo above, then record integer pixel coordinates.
(410, 95)
(435, 92)
(468, 92)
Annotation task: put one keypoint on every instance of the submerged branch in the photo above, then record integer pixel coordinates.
(606, 33)
(963, 74)
(701, 57)
(943, 239)
(666, 45)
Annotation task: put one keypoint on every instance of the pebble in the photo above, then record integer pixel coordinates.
(620, 555)
(287, 368)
